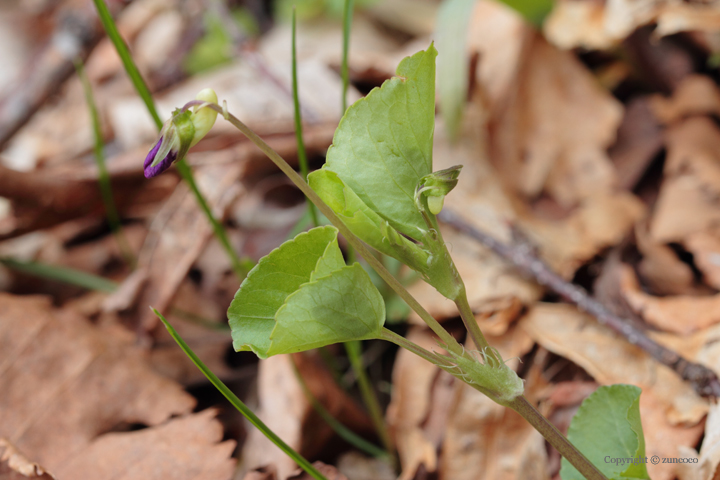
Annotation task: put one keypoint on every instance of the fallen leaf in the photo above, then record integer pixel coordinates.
(705, 247)
(695, 95)
(681, 314)
(660, 268)
(595, 25)
(330, 472)
(706, 467)
(691, 181)
(185, 448)
(286, 410)
(67, 383)
(14, 465)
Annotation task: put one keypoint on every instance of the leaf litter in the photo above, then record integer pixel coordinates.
(567, 149)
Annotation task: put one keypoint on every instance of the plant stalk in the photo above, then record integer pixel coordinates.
(556, 439)
(240, 406)
(349, 236)
(144, 92)
(468, 318)
(354, 351)
(345, 69)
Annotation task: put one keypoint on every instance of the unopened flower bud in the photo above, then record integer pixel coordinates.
(184, 130)
(436, 185)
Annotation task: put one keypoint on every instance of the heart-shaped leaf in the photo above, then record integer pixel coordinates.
(608, 431)
(383, 146)
(302, 296)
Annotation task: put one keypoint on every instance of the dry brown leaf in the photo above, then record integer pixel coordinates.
(596, 25)
(553, 132)
(286, 410)
(660, 267)
(695, 95)
(15, 466)
(330, 472)
(65, 383)
(413, 380)
(169, 251)
(705, 247)
(706, 467)
(484, 439)
(670, 409)
(688, 196)
(609, 359)
(681, 314)
(357, 466)
(185, 448)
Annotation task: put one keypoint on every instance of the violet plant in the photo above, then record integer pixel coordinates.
(377, 188)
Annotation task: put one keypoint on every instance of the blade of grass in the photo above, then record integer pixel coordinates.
(61, 274)
(240, 406)
(344, 69)
(354, 349)
(302, 155)
(184, 169)
(343, 432)
(111, 212)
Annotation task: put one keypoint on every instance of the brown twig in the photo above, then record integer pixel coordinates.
(704, 381)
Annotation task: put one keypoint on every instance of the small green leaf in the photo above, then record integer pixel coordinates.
(383, 146)
(367, 225)
(337, 308)
(608, 431)
(302, 296)
(273, 279)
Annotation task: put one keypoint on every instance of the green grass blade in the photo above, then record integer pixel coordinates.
(302, 155)
(344, 68)
(61, 274)
(127, 60)
(111, 212)
(343, 432)
(240, 406)
(237, 264)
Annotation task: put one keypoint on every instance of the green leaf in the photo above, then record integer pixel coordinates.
(273, 279)
(367, 225)
(383, 146)
(337, 308)
(302, 296)
(608, 431)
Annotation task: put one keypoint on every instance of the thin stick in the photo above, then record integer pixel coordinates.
(240, 406)
(349, 236)
(704, 381)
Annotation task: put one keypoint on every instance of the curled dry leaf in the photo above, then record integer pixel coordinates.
(709, 456)
(705, 247)
(660, 267)
(691, 181)
(601, 25)
(411, 404)
(65, 383)
(670, 409)
(15, 466)
(681, 314)
(695, 95)
(285, 408)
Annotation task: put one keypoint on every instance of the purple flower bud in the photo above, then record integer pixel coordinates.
(159, 167)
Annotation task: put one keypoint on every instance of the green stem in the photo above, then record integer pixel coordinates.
(220, 233)
(144, 92)
(62, 274)
(356, 243)
(345, 69)
(111, 212)
(342, 431)
(403, 342)
(354, 352)
(240, 406)
(468, 318)
(302, 155)
(556, 439)
(127, 60)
